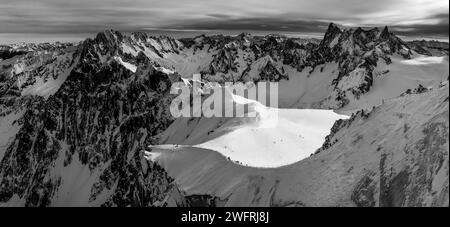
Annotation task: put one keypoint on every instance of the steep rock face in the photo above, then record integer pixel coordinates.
(98, 120)
(225, 61)
(357, 53)
(270, 73)
(7, 52)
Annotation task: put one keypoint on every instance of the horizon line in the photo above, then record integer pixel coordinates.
(67, 37)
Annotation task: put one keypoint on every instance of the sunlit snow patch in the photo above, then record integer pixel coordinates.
(297, 134)
(45, 88)
(127, 65)
(165, 70)
(423, 60)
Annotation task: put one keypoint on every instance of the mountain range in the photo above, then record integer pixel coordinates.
(88, 124)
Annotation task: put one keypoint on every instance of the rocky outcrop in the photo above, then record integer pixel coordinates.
(430, 48)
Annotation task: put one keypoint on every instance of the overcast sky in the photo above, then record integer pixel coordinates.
(407, 17)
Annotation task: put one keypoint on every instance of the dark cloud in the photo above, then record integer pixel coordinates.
(440, 29)
(219, 16)
(406, 17)
(255, 24)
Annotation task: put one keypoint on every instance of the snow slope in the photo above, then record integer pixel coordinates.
(8, 130)
(313, 89)
(399, 76)
(381, 158)
(77, 181)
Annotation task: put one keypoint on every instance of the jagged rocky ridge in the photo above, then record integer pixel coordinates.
(430, 48)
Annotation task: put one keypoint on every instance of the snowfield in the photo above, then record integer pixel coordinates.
(296, 135)
(272, 138)
(425, 60)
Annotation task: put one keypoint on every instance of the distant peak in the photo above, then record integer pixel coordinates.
(385, 33)
(332, 25)
(109, 35)
(333, 28)
(332, 31)
(359, 30)
(244, 34)
(139, 35)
